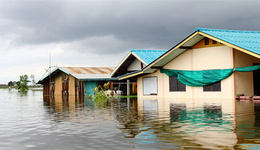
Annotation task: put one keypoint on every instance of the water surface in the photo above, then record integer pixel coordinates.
(31, 121)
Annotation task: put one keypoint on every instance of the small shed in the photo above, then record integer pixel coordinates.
(75, 80)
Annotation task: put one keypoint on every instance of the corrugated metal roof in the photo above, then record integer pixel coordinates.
(248, 40)
(85, 72)
(148, 56)
(89, 72)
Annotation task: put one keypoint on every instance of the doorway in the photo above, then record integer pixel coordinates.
(256, 74)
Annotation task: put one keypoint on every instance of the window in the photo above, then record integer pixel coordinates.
(150, 85)
(214, 42)
(206, 41)
(175, 85)
(212, 87)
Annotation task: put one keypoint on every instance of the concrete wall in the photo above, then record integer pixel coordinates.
(219, 57)
(135, 65)
(244, 83)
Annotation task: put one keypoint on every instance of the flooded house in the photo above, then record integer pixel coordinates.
(209, 63)
(75, 80)
(134, 61)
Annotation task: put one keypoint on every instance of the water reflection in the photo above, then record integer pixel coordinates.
(160, 123)
(205, 124)
(247, 124)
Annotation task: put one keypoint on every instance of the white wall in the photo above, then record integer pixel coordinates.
(134, 66)
(219, 57)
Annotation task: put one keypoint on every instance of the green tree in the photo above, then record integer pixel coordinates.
(11, 83)
(22, 84)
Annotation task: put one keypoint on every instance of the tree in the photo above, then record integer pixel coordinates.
(11, 83)
(22, 84)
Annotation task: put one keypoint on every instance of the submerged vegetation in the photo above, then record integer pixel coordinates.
(100, 97)
(22, 84)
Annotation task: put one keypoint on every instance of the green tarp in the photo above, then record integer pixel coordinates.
(205, 77)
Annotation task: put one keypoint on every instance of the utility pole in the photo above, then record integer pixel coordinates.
(50, 73)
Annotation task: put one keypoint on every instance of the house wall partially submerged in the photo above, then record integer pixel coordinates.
(63, 84)
(244, 83)
(206, 58)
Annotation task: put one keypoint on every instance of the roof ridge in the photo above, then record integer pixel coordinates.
(84, 67)
(134, 50)
(226, 30)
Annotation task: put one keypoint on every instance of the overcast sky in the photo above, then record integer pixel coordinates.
(102, 32)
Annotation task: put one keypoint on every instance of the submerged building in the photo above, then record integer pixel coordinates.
(75, 80)
(209, 63)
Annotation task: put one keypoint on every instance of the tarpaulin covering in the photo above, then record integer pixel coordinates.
(205, 77)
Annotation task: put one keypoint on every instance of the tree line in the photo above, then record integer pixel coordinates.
(22, 84)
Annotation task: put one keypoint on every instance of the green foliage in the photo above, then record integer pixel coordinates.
(106, 86)
(22, 84)
(100, 97)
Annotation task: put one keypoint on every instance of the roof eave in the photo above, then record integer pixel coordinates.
(41, 80)
(230, 45)
(126, 76)
(121, 63)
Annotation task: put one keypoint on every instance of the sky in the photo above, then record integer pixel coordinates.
(101, 32)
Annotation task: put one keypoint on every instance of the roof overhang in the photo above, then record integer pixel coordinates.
(127, 57)
(56, 70)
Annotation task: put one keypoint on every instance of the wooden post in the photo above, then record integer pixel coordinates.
(111, 85)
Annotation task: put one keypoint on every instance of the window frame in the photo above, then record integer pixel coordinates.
(214, 87)
(206, 41)
(178, 88)
(156, 79)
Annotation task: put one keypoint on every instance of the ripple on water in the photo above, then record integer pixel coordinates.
(29, 122)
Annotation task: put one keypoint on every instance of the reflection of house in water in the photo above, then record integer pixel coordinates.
(248, 124)
(61, 106)
(206, 123)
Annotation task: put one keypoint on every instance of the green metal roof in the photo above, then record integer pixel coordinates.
(248, 40)
(148, 56)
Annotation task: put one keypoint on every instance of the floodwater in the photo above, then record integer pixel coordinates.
(31, 121)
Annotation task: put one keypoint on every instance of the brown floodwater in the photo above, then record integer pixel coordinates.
(31, 121)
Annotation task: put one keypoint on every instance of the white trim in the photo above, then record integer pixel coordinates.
(121, 63)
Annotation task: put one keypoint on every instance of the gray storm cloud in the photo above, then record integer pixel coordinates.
(82, 31)
(158, 24)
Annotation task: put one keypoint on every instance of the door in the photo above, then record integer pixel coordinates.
(89, 87)
(256, 81)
